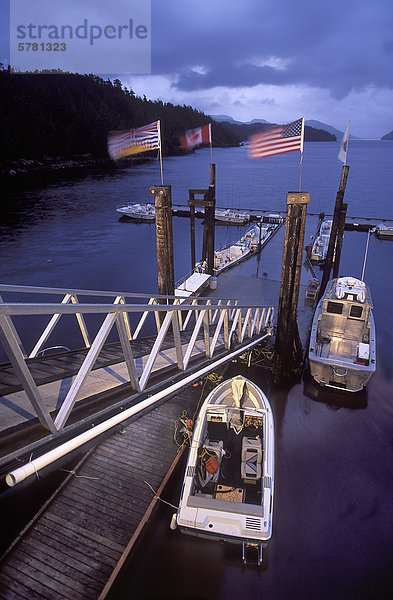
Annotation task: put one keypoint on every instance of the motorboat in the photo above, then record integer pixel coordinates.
(234, 253)
(231, 217)
(254, 238)
(227, 492)
(342, 351)
(140, 212)
(321, 243)
(384, 232)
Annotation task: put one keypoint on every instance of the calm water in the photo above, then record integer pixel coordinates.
(332, 536)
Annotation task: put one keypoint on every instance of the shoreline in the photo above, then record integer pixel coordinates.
(22, 169)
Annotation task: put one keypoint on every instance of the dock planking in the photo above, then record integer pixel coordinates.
(71, 549)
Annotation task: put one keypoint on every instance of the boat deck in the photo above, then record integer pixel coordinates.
(342, 350)
(229, 484)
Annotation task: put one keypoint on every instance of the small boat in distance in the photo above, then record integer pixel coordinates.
(231, 217)
(139, 212)
(246, 246)
(384, 232)
(321, 243)
(227, 492)
(342, 351)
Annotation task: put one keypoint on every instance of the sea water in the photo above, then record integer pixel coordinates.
(333, 511)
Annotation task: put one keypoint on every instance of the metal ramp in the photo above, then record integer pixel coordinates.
(179, 336)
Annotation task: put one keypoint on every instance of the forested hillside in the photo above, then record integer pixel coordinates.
(388, 136)
(245, 130)
(64, 115)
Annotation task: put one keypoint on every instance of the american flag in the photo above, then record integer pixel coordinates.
(142, 139)
(277, 140)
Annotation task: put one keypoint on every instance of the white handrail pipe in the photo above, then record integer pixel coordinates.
(36, 464)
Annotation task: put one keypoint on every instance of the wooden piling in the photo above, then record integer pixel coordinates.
(340, 233)
(164, 239)
(288, 346)
(333, 233)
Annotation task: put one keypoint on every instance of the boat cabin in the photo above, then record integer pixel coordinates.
(342, 341)
(343, 325)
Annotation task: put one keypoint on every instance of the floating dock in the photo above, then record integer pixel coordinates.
(192, 285)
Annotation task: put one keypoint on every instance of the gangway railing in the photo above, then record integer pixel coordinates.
(211, 325)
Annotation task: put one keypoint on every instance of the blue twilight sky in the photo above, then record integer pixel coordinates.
(268, 59)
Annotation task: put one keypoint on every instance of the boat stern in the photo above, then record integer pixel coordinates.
(340, 375)
(212, 518)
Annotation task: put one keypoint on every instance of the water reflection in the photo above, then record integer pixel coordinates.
(332, 397)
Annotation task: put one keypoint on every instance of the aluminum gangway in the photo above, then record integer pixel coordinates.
(127, 340)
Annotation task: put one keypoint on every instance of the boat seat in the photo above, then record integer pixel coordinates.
(251, 463)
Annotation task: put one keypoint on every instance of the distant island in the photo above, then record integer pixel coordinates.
(245, 130)
(388, 136)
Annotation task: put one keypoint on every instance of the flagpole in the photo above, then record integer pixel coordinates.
(301, 155)
(159, 138)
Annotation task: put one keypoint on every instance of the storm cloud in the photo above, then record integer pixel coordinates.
(339, 46)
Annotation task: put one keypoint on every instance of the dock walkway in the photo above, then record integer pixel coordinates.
(107, 386)
(71, 549)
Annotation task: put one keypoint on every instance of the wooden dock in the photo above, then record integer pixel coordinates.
(71, 548)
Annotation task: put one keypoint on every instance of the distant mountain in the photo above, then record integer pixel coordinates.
(245, 130)
(227, 119)
(220, 118)
(256, 121)
(388, 136)
(319, 125)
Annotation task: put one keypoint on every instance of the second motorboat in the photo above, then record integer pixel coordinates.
(342, 351)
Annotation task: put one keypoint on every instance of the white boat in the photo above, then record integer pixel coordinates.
(342, 351)
(231, 217)
(384, 232)
(140, 212)
(227, 492)
(321, 243)
(246, 246)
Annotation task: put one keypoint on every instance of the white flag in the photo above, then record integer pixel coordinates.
(342, 155)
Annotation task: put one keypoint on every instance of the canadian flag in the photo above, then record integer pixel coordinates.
(194, 137)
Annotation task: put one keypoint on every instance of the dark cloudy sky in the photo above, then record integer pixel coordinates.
(277, 60)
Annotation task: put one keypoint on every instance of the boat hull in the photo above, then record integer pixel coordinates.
(137, 216)
(384, 233)
(342, 352)
(339, 375)
(234, 506)
(321, 243)
(250, 244)
(231, 220)
(138, 212)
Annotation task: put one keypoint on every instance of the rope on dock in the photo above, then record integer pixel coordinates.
(157, 497)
